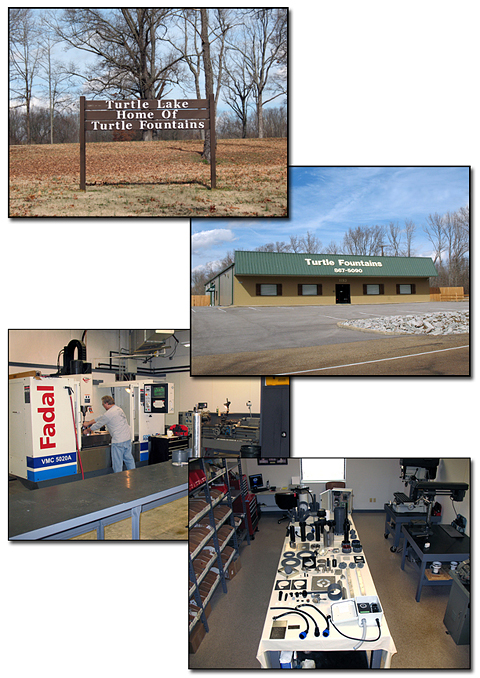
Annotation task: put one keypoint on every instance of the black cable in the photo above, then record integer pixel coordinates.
(326, 632)
(303, 634)
(365, 640)
(316, 633)
(174, 349)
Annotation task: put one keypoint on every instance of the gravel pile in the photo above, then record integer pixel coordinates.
(443, 322)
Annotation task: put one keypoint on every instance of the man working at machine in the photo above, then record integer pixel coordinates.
(116, 422)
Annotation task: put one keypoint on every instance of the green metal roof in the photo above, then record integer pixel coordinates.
(281, 263)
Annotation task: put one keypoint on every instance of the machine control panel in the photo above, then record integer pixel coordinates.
(158, 398)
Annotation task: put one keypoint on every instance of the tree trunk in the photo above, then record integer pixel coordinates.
(207, 62)
(260, 115)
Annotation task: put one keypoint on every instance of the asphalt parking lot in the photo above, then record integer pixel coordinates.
(307, 340)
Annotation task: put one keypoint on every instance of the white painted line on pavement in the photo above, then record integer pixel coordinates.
(367, 362)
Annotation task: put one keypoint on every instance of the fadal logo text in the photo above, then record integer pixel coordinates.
(48, 414)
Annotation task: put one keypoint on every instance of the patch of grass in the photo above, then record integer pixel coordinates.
(150, 179)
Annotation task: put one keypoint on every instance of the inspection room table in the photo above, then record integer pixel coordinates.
(395, 519)
(356, 582)
(69, 509)
(442, 548)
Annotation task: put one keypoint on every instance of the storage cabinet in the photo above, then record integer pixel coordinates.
(275, 420)
(215, 534)
(251, 513)
(457, 614)
(161, 447)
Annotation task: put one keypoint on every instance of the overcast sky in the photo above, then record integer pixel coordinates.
(327, 201)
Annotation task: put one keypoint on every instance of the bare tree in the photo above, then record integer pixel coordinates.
(57, 87)
(410, 229)
(394, 237)
(198, 279)
(262, 47)
(238, 88)
(219, 21)
(364, 240)
(295, 244)
(332, 248)
(278, 246)
(434, 231)
(190, 47)
(308, 243)
(463, 217)
(450, 235)
(128, 45)
(25, 52)
(208, 68)
(457, 244)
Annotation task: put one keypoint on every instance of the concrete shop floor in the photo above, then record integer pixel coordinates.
(165, 523)
(237, 617)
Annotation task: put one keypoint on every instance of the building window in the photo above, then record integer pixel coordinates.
(322, 470)
(268, 290)
(373, 289)
(309, 290)
(406, 289)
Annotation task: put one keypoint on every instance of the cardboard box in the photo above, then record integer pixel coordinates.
(233, 569)
(196, 636)
(198, 632)
(193, 610)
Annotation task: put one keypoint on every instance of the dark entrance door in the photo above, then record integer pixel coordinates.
(342, 294)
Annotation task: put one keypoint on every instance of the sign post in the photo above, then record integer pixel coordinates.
(213, 143)
(147, 115)
(82, 146)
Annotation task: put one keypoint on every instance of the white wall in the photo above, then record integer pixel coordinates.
(181, 358)
(374, 478)
(455, 470)
(189, 391)
(279, 475)
(368, 478)
(41, 347)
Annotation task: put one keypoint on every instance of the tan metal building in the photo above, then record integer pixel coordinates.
(284, 279)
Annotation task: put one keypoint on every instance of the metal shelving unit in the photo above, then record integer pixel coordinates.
(214, 540)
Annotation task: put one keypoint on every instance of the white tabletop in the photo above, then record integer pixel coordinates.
(357, 582)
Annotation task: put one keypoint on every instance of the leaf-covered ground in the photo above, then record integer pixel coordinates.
(160, 178)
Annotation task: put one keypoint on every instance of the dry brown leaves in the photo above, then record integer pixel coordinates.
(144, 161)
(251, 174)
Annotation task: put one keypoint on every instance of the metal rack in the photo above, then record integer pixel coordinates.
(215, 519)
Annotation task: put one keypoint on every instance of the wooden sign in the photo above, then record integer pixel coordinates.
(147, 115)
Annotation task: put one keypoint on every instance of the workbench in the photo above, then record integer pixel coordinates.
(67, 510)
(395, 519)
(271, 651)
(442, 548)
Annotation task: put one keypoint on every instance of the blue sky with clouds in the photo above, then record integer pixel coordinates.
(327, 201)
(85, 59)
